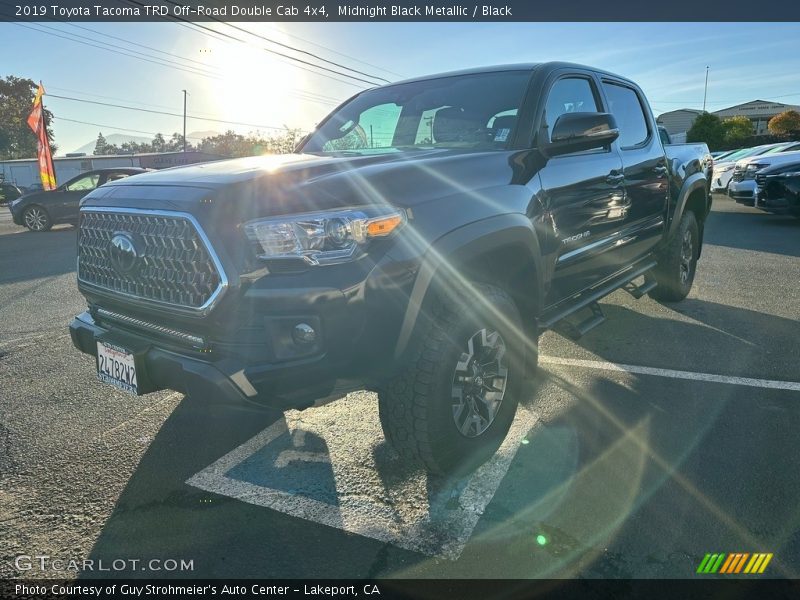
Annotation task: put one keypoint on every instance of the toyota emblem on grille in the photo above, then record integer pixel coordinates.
(123, 253)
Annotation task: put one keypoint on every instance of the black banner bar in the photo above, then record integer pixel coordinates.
(401, 589)
(395, 10)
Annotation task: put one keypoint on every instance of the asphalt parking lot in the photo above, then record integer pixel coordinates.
(669, 432)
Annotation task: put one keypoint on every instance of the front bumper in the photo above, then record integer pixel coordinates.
(159, 368)
(720, 181)
(779, 206)
(16, 215)
(744, 192)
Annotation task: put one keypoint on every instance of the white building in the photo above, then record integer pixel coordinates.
(24, 172)
(758, 111)
(678, 121)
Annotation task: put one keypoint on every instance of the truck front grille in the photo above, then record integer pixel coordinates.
(153, 256)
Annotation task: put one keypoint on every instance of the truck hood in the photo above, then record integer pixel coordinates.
(281, 184)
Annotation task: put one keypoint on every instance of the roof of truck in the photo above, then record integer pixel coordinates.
(550, 66)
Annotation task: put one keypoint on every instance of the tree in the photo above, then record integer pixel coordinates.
(737, 130)
(235, 144)
(707, 128)
(101, 146)
(175, 144)
(785, 123)
(159, 143)
(17, 140)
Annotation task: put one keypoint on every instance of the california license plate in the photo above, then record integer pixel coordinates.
(116, 366)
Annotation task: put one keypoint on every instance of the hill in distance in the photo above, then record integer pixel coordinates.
(118, 139)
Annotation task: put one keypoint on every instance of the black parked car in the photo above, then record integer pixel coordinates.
(8, 193)
(39, 211)
(779, 189)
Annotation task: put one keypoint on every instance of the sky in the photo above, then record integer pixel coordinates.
(258, 91)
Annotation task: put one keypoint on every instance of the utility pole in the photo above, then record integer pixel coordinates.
(185, 93)
(705, 92)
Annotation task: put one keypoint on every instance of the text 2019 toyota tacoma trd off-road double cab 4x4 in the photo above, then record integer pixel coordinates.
(415, 244)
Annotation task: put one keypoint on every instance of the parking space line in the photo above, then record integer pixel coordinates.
(441, 529)
(690, 375)
(15, 343)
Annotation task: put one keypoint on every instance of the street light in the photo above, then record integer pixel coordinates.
(185, 93)
(705, 92)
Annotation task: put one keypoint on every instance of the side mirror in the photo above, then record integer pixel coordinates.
(574, 132)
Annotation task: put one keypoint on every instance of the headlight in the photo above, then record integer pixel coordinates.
(322, 237)
(755, 167)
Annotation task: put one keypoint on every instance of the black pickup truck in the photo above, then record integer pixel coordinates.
(416, 244)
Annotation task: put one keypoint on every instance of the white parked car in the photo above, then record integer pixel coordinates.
(743, 187)
(723, 171)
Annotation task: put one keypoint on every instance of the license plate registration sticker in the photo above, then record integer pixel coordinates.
(116, 366)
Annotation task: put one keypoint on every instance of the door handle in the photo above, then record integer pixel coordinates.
(615, 178)
(660, 170)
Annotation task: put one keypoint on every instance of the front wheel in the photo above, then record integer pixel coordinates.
(454, 405)
(36, 219)
(678, 262)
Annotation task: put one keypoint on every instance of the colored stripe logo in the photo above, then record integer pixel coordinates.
(736, 562)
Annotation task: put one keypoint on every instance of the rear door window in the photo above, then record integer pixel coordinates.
(624, 104)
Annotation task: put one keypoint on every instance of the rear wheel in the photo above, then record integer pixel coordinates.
(454, 405)
(678, 262)
(36, 218)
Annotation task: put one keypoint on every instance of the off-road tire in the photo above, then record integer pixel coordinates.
(36, 218)
(677, 264)
(418, 408)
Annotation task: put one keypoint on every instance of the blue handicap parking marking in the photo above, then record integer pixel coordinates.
(295, 462)
(332, 466)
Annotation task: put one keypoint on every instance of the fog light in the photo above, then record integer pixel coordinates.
(304, 334)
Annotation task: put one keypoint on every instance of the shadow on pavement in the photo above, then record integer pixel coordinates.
(30, 255)
(723, 340)
(627, 476)
(760, 232)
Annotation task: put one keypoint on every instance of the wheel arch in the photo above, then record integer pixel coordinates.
(693, 197)
(501, 250)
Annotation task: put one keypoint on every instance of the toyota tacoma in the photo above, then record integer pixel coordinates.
(415, 244)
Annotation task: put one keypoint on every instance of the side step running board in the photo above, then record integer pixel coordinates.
(589, 300)
(577, 330)
(637, 291)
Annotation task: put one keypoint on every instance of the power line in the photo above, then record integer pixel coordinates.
(202, 64)
(292, 58)
(161, 112)
(308, 96)
(219, 37)
(185, 68)
(342, 54)
(294, 49)
(115, 128)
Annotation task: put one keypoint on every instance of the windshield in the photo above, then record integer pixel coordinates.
(475, 112)
(745, 153)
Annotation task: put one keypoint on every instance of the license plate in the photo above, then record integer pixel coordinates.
(116, 366)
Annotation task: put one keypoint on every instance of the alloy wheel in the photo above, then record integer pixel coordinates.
(36, 219)
(687, 249)
(479, 383)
